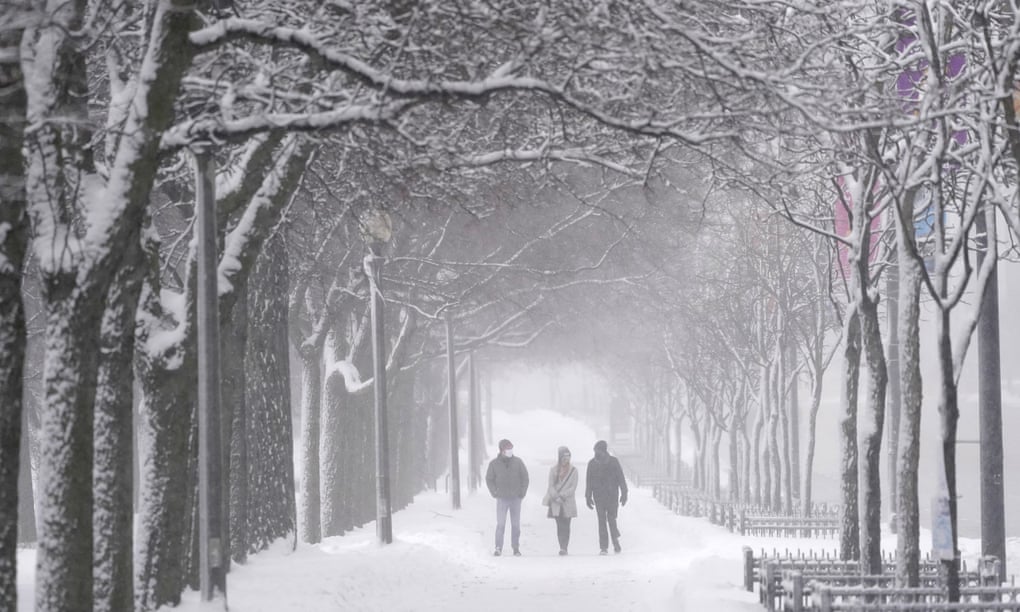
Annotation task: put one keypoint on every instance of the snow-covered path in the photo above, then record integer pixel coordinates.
(441, 559)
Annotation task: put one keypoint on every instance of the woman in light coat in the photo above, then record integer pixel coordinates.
(560, 496)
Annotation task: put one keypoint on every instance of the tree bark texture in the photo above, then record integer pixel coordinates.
(733, 481)
(72, 312)
(949, 415)
(311, 415)
(169, 384)
(12, 314)
(849, 538)
(439, 423)
(908, 557)
(269, 429)
(75, 283)
(113, 471)
(784, 408)
(871, 473)
(234, 415)
(809, 459)
(793, 402)
(26, 484)
(757, 459)
(775, 454)
(335, 410)
(361, 469)
(400, 404)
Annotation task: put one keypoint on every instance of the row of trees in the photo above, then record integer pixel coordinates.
(897, 160)
(320, 114)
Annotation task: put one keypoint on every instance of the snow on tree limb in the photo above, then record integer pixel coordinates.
(501, 79)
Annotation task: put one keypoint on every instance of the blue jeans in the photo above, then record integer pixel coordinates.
(513, 504)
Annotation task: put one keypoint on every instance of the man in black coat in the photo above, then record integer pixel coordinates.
(605, 490)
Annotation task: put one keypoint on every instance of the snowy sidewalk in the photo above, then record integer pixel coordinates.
(441, 560)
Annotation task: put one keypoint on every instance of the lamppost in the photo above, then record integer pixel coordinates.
(212, 553)
(377, 229)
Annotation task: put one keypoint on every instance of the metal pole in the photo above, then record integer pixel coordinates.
(451, 368)
(212, 576)
(475, 424)
(993, 528)
(383, 519)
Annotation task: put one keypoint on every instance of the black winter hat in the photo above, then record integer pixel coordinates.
(505, 444)
(601, 445)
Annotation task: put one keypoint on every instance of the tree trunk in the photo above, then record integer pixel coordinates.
(908, 557)
(12, 314)
(113, 473)
(678, 462)
(757, 458)
(745, 465)
(75, 287)
(783, 406)
(402, 415)
(363, 469)
(849, 538)
(949, 414)
(716, 471)
(775, 455)
(269, 430)
(65, 469)
(809, 460)
(234, 416)
(26, 485)
(871, 473)
(698, 477)
(794, 426)
(336, 406)
(439, 421)
(311, 414)
(169, 384)
(734, 473)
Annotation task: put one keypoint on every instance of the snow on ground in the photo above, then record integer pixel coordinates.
(441, 559)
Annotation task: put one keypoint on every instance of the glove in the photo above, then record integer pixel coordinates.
(591, 505)
(623, 499)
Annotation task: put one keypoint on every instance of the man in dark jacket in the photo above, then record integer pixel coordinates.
(507, 479)
(605, 490)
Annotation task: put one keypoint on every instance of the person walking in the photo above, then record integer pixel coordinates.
(560, 496)
(507, 479)
(605, 490)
